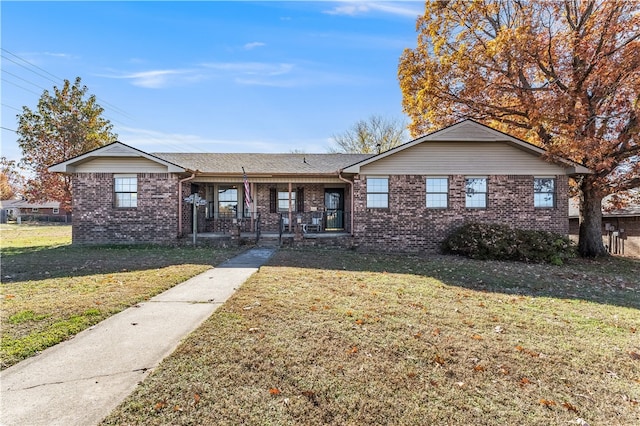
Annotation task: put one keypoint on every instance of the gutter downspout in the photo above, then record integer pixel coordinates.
(193, 175)
(351, 192)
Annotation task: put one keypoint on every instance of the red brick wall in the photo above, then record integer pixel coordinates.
(407, 225)
(97, 221)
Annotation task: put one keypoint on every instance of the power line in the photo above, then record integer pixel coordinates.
(31, 64)
(11, 130)
(57, 81)
(17, 85)
(11, 107)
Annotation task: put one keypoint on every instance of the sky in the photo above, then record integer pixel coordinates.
(211, 76)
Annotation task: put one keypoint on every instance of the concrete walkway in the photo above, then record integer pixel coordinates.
(80, 381)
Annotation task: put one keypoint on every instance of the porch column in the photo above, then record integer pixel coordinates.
(290, 213)
(253, 205)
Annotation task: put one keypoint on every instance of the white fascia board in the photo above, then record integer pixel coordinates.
(115, 149)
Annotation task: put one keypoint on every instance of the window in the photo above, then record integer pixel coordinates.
(126, 191)
(56, 211)
(377, 192)
(283, 201)
(35, 210)
(544, 192)
(437, 193)
(476, 193)
(227, 201)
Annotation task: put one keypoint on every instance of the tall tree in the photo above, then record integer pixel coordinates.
(371, 136)
(564, 75)
(65, 124)
(11, 179)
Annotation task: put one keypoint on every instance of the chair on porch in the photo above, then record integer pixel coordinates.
(316, 223)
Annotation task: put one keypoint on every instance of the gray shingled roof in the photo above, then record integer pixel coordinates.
(263, 163)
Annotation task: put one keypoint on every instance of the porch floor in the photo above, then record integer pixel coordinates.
(271, 235)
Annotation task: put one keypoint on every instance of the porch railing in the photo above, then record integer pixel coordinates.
(314, 222)
(225, 223)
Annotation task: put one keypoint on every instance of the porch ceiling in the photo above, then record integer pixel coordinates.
(269, 179)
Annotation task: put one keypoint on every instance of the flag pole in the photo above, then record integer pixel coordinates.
(247, 196)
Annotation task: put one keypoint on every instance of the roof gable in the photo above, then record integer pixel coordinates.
(115, 150)
(463, 133)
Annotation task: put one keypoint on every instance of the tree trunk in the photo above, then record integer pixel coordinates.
(590, 237)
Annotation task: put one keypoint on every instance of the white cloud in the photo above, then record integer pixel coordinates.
(253, 45)
(353, 8)
(157, 79)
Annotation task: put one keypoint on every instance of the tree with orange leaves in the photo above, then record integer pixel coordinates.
(63, 126)
(564, 75)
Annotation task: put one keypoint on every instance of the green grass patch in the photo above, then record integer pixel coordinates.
(332, 337)
(52, 290)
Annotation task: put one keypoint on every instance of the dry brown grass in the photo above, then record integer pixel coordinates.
(51, 290)
(321, 337)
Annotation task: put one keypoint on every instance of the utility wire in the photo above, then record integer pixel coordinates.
(56, 81)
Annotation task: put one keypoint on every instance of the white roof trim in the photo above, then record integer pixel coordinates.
(489, 136)
(115, 149)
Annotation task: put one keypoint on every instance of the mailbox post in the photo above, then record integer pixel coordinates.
(196, 201)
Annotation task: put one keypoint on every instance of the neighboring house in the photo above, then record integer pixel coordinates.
(31, 210)
(406, 199)
(620, 228)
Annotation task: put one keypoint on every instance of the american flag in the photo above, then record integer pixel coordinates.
(247, 190)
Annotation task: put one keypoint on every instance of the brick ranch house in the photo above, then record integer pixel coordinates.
(406, 199)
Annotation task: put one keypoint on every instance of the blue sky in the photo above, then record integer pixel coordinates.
(211, 76)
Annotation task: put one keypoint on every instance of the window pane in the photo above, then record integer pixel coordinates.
(437, 185)
(126, 199)
(544, 192)
(544, 185)
(476, 200)
(227, 194)
(283, 201)
(227, 208)
(126, 191)
(437, 200)
(437, 191)
(543, 200)
(378, 200)
(377, 185)
(476, 185)
(476, 193)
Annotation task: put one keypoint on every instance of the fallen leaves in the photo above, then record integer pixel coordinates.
(547, 402)
(274, 391)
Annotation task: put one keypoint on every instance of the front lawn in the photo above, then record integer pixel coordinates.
(334, 337)
(52, 290)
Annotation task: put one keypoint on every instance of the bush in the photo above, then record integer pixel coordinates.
(500, 242)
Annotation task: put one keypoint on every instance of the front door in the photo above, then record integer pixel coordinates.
(334, 206)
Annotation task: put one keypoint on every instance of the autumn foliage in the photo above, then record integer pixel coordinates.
(561, 74)
(64, 125)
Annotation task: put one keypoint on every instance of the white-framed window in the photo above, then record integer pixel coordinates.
(125, 188)
(544, 192)
(476, 192)
(56, 211)
(283, 201)
(35, 210)
(377, 192)
(227, 201)
(437, 192)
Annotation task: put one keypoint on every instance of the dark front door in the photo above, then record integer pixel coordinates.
(334, 206)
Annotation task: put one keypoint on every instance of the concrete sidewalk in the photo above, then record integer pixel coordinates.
(80, 381)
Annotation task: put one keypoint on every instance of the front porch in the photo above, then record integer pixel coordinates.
(306, 229)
